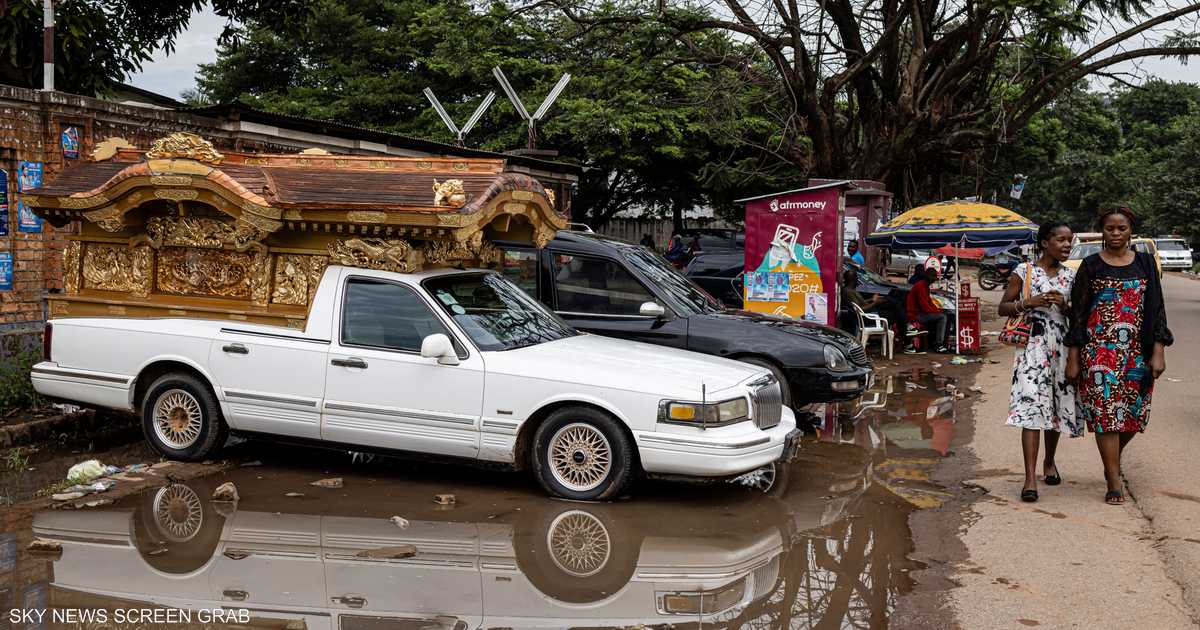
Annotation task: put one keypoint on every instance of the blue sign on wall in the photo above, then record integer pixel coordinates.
(29, 176)
(3, 202)
(6, 271)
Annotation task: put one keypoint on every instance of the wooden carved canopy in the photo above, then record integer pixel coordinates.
(184, 230)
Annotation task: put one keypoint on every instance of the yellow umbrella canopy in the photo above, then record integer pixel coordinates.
(958, 222)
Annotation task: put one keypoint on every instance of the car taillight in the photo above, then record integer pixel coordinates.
(47, 335)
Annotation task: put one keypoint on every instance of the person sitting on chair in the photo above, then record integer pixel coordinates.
(921, 309)
(878, 304)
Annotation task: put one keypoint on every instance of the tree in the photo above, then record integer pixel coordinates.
(100, 42)
(903, 91)
(1136, 146)
(648, 126)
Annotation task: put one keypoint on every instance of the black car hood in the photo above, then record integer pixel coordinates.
(812, 330)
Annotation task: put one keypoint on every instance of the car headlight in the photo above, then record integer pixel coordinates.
(703, 414)
(835, 359)
(702, 602)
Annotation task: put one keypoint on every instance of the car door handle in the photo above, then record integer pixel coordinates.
(352, 362)
(235, 348)
(235, 595)
(350, 601)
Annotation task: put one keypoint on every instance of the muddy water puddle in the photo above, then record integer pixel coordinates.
(821, 543)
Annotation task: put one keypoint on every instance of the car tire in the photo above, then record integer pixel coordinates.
(595, 456)
(181, 418)
(575, 553)
(783, 384)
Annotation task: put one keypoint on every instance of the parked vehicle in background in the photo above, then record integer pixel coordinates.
(610, 287)
(903, 261)
(713, 240)
(446, 363)
(720, 274)
(1175, 253)
(1084, 249)
(994, 273)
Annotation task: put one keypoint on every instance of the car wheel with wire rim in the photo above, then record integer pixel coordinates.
(181, 419)
(176, 528)
(767, 365)
(576, 554)
(583, 454)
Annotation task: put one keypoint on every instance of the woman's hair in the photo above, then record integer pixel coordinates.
(1046, 230)
(1125, 210)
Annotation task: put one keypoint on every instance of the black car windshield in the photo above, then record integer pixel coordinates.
(495, 313)
(687, 296)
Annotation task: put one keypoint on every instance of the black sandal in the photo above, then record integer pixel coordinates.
(1029, 496)
(1053, 480)
(1114, 497)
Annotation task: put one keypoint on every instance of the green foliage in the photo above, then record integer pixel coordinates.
(16, 460)
(16, 390)
(1088, 151)
(100, 42)
(649, 126)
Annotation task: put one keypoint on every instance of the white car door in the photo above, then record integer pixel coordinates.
(270, 382)
(380, 391)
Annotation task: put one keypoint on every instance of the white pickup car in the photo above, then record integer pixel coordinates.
(448, 363)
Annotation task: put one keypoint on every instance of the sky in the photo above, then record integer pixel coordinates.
(172, 74)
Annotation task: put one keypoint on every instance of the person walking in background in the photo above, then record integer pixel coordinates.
(1117, 342)
(1042, 401)
(693, 248)
(676, 252)
(854, 254)
(647, 242)
(922, 310)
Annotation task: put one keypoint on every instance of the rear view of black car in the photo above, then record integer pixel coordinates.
(610, 287)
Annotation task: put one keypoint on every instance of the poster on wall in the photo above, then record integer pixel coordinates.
(70, 143)
(6, 271)
(793, 253)
(3, 202)
(29, 176)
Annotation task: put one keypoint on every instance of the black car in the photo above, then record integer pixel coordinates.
(610, 287)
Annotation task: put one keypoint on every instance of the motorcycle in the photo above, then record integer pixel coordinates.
(993, 275)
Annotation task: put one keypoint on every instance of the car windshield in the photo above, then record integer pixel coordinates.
(495, 313)
(686, 295)
(1083, 250)
(1172, 246)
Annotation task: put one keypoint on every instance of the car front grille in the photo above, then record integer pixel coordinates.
(768, 403)
(858, 354)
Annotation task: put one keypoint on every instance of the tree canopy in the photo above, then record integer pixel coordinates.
(652, 129)
(100, 42)
(1133, 146)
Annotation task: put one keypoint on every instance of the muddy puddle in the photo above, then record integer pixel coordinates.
(820, 543)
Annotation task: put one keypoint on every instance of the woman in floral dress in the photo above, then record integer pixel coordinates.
(1117, 339)
(1042, 401)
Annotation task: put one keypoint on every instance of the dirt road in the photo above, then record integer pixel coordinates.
(1069, 560)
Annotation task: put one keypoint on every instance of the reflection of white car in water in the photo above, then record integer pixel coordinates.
(572, 565)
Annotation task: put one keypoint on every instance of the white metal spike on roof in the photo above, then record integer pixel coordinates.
(552, 96)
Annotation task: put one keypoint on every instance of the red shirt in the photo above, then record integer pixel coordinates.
(919, 302)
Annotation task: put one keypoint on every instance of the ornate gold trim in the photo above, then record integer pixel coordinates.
(185, 145)
(449, 193)
(367, 216)
(374, 253)
(72, 258)
(173, 194)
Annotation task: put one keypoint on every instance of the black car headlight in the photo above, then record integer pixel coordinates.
(835, 359)
(698, 414)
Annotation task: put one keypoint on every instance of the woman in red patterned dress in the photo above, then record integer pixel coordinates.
(1117, 339)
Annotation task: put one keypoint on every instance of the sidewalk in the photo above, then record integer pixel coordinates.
(1067, 561)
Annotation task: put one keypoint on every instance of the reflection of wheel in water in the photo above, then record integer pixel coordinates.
(575, 555)
(579, 544)
(178, 512)
(175, 527)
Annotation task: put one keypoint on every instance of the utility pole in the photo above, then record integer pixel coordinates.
(48, 45)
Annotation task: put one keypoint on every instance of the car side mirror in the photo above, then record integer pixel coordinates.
(438, 346)
(652, 309)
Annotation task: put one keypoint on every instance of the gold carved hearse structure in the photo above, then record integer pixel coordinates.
(182, 230)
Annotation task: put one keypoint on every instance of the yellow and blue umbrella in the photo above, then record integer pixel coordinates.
(962, 223)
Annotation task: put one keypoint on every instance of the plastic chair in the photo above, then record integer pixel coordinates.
(869, 325)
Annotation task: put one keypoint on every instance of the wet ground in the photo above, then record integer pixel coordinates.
(820, 543)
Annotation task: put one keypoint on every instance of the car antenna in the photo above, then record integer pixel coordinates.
(703, 404)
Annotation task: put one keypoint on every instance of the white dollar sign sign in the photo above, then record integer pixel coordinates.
(966, 337)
